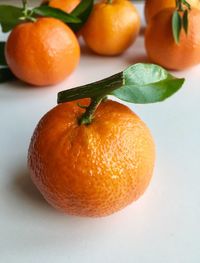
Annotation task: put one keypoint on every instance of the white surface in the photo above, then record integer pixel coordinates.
(163, 226)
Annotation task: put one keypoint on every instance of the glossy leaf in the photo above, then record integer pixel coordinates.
(147, 83)
(48, 11)
(185, 21)
(149, 93)
(82, 11)
(176, 26)
(6, 75)
(9, 17)
(140, 83)
(2, 55)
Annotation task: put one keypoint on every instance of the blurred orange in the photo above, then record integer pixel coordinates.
(112, 27)
(65, 5)
(152, 7)
(42, 53)
(160, 44)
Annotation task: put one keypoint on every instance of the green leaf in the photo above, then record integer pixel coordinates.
(6, 75)
(82, 11)
(176, 26)
(2, 55)
(185, 21)
(147, 83)
(9, 17)
(149, 93)
(140, 83)
(48, 11)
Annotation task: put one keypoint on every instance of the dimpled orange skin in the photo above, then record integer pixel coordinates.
(65, 5)
(152, 7)
(42, 53)
(161, 47)
(111, 28)
(92, 170)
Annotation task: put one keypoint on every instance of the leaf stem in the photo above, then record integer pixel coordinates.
(27, 12)
(96, 89)
(88, 116)
(179, 5)
(24, 2)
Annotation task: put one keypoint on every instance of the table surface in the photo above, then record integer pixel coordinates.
(163, 226)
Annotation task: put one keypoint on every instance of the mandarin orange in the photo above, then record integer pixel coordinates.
(91, 170)
(161, 47)
(111, 27)
(42, 53)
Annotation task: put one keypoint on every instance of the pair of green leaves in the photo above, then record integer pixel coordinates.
(139, 83)
(180, 19)
(178, 23)
(10, 16)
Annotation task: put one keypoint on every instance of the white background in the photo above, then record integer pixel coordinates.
(163, 226)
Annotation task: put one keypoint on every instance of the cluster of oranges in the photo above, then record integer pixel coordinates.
(46, 51)
(50, 50)
(96, 169)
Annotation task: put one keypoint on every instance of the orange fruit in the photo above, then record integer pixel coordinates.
(65, 5)
(91, 170)
(152, 7)
(42, 53)
(160, 44)
(111, 27)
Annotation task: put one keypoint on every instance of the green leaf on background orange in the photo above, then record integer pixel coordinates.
(176, 26)
(82, 11)
(185, 21)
